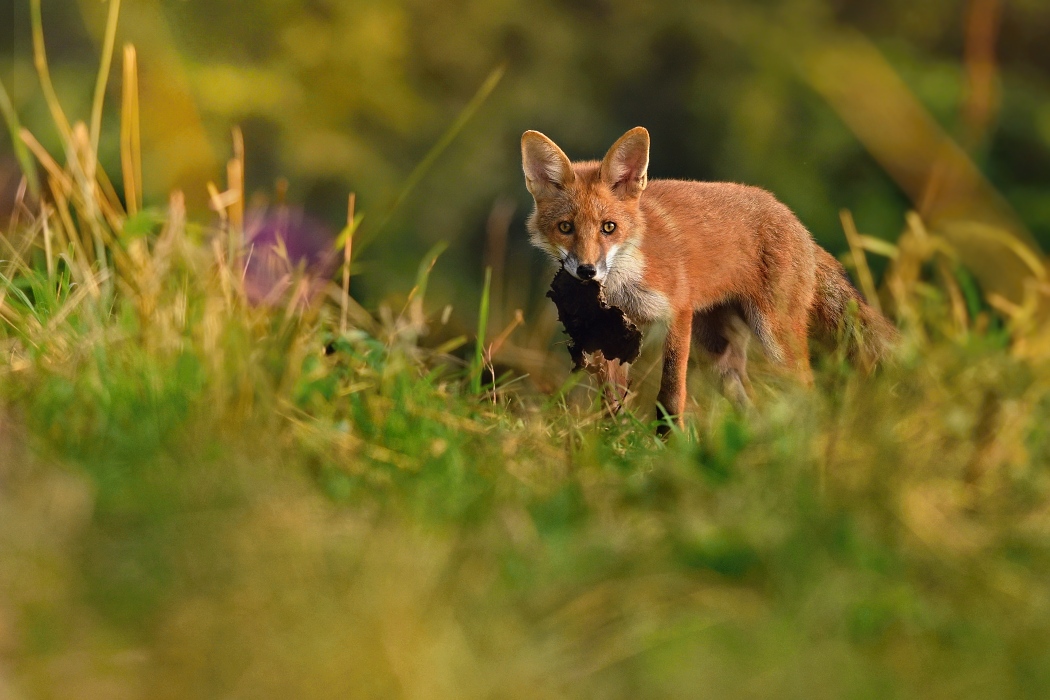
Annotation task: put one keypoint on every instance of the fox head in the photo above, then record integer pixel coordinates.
(586, 213)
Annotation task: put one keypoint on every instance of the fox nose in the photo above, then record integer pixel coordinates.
(586, 272)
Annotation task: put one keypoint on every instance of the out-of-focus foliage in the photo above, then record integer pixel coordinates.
(349, 95)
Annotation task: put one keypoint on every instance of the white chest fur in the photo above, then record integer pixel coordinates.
(625, 287)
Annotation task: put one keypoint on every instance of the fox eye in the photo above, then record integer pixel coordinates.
(608, 227)
(565, 227)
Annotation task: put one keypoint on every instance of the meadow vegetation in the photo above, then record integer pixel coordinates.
(205, 492)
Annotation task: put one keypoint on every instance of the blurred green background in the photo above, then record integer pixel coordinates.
(350, 95)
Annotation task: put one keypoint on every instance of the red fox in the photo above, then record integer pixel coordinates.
(718, 262)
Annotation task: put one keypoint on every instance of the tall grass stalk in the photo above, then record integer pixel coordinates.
(130, 135)
(102, 81)
(44, 73)
(439, 147)
(348, 243)
(14, 128)
(477, 367)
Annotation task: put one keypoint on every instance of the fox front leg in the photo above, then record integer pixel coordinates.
(671, 399)
(611, 376)
(616, 385)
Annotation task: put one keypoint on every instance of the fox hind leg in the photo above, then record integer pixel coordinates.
(784, 339)
(732, 365)
(723, 333)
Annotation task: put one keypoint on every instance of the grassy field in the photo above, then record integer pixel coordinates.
(208, 499)
(205, 496)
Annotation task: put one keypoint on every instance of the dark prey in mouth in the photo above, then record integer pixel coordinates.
(593, 325)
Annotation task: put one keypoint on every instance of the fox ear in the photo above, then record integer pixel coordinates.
(626, 165)
(547, 168)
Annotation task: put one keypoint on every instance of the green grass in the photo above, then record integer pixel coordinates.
(218, 500)
(201, 497)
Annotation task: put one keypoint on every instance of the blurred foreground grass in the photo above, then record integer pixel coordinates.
(204, 498)
(205, 495)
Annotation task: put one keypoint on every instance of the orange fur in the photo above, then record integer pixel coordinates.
(713, 260)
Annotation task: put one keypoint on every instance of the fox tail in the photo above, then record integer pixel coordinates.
(840, 310)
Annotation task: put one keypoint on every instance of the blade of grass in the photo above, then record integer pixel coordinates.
(78, 258)
(435, 152)
(860, 261)
(49, 256)
(9, 286)
(347, 251)
(130, 138)
(477, 368)
(419, 291)
(414, 303)
(40, 61)
(558, 397)
(235, 185)
(14, 127)
(495, 346)
(101, 82)
(879, 246)
(54, 170)
(85, 197)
